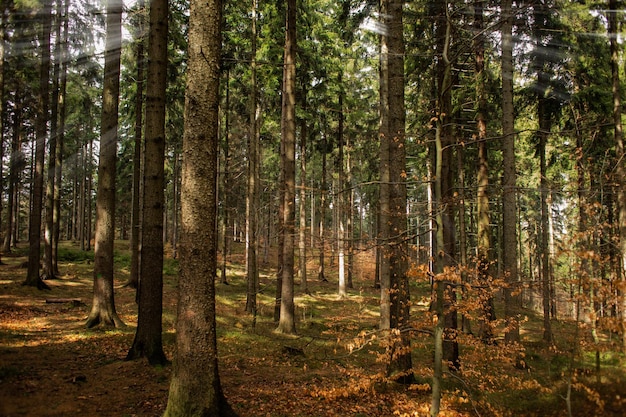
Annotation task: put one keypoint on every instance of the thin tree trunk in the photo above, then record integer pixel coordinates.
(620, 170)
(252, 198)
(59, 152)
(14, 160)
(340, 206)
(34, 225)
(135, 217)
(48, 267)
(226, 183)
(89, 201)
(321, 273)
(79, 217)
(302, 252)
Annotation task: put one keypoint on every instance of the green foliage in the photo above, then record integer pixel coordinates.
(74, 255)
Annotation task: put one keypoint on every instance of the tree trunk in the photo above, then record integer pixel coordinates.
(34, 225)
(340, 206)
(447, 252)
(252, 195)
(226, 183)
(80, 216)
(321, 272)
(59, 152)
(195, 388)
(482, 178)
(512, 299)
(302, 251)
(103, 308)
(2, 96)
(384, 132)
(88, 202)
(287, 322)
(48, 260)
(15, 160)
(135, 216)
(148, 337)
(400, 366)
(620, 154)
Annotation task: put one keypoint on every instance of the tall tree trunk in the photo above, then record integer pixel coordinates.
(252, 194)
(341, 244)
(287, 322)
(148, 337)
(15, 160)
(321, 272)
(175, 202)
(384, 132)
(620, 170)
(482, 178)
(512, 299)
(226, 182)
(34, 225)
(89, 200)
(135, 216)
(195, 388)
(103, 308)
(59, 152)
(2, 96)
(48, 265)
(445, 200)
(545, 125)
(81, 195)
(349, 216)
(302, 250)
(400, 366)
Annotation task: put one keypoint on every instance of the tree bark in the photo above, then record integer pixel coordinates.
(48, 259)
(103, 308)
(252, 195)
(15, 160)
(400, 366)
(34, 225)
(195, 388)
(135, 216)
(302, 250)
(384, 180)
(286, 323)
(512, 298)
(226, 183)
(148, 337)
(620, 170)
(321, 271)
(482, 178)
(59, 152)
(340, 206)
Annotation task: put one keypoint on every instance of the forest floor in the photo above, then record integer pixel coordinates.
(51, 365)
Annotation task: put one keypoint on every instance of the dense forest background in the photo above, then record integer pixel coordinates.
(472, 148)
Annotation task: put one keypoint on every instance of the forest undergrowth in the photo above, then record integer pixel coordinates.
(51, 365)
